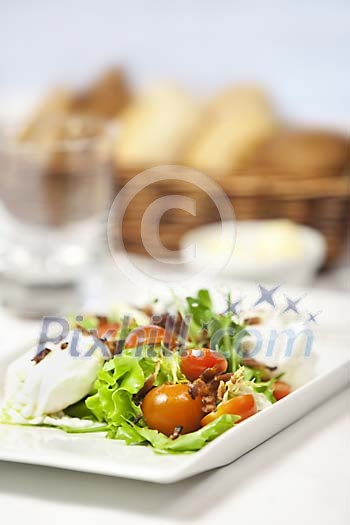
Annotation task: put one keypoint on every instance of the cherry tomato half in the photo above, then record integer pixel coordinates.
(280, 389)
(243, 406)
(195, 361)
(169, 406)
(146, 335)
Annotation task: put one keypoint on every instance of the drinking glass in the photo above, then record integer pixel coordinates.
(55, 192)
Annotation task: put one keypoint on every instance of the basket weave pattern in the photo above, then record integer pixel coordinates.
(320, 202)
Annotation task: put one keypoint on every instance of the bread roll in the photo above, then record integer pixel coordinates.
(156, 128)
(236, 122)
(305, 152)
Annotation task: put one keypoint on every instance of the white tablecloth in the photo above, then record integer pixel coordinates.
(299, 476)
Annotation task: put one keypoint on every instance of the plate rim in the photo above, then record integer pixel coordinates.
(284, 413)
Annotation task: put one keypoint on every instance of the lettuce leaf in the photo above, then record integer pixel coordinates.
(170, 370)
(116, 383)
(121, 378)
(169, 363)
(79, 410)
(112, 403)
(133, 434)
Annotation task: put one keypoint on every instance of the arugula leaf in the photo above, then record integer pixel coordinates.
(220, 331)
(200, 308)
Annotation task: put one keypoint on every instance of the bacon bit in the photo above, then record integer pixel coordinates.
(210, 373)
(41, 355)
(210, 387)
(209, 403)
(207, 390)
(225, 377)
(64, 346)
(82, 329)
(264, 369)
(177, 432)
(253, 363)
(253, 320)
(198, 388)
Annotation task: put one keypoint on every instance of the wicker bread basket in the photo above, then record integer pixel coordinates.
(317, 198)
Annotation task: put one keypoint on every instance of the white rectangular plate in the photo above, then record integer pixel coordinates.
(93, 453)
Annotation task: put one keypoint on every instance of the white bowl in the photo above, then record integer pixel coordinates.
(293, 252)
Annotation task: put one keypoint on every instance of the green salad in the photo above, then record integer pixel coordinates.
(172, 380)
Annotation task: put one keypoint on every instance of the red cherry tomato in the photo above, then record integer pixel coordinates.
(195, 362)
(280, 389)
(243, 406)
(109, 330)
(146, 335)
(169, 406)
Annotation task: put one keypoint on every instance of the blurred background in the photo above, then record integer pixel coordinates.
(254, 94)
(298, 51)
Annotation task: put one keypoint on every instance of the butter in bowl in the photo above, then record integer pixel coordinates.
(275, 251)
